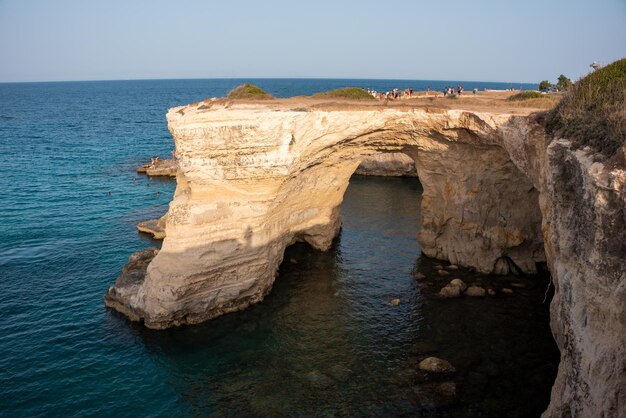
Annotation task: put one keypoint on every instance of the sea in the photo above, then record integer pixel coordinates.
(325, 342)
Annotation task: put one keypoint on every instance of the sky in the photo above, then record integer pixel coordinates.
(480, 40)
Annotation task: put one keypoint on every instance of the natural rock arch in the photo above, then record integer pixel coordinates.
(255, 178)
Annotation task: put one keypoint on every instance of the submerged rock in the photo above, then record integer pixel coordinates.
(339, 372)
(450, 292)
(443, 273)
(447, 389)
(436, 365)
(475, 291)
(507, 291)
(394, 302)
(318, 379)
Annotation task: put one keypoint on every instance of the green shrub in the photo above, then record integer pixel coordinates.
(352, 93)
(249, 91)
(593, 111)
(563, 83)
(545, 84)
(525, 95)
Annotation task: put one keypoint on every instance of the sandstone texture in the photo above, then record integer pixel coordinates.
(255, 178)
(393, 164)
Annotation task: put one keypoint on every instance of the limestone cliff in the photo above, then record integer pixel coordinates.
(255, 178)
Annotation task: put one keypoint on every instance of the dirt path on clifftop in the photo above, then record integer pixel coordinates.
(486, 101)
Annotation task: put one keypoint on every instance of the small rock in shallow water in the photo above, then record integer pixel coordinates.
(452, 267)
(420, 276)
(520, 285)
(339, 372)
(394, 302)
(459, 283)
(438, 267)
(450, 292)
(491, 292)
(507, 291)
(293, 261)
(475, 291)
(405, 377)
(318, 379)
(447, 389)
(443, 273)
(435, 365)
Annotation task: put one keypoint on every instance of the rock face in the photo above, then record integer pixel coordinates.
(255, 178)
(390, 164)
(585, 220)
(128, 283)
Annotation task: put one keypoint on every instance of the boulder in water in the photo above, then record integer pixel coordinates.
(475, 291)
(436, 365)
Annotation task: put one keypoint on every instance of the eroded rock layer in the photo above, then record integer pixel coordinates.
(255, 178)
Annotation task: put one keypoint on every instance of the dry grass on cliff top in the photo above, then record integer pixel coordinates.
(249, 92)
(350, 93)
(593, 111)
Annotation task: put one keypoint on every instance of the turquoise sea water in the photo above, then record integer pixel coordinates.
(324, 342)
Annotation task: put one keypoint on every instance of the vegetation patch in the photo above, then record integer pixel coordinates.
(525, 95)
(352, 93)
(250, 92)
(593, 111)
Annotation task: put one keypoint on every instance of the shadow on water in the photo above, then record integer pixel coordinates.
(326, 341)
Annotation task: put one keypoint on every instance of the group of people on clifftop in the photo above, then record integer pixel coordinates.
(395, 93)
(392, 94)
(449, 90)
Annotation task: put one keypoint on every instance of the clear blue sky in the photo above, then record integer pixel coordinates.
(481, 40)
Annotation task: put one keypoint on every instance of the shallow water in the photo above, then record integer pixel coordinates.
(325, 342)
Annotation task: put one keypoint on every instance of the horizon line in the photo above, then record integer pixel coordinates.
(261, 78)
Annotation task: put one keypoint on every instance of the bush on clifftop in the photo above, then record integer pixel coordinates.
(525, 95)
(249, 91)
(593, 111)
(352, 93)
